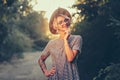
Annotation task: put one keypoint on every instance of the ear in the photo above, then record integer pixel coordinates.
(55, 24)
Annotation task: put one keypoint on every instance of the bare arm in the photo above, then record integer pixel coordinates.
(69, 52)
(41, 62)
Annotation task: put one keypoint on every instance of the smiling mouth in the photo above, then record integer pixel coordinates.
(64, 26)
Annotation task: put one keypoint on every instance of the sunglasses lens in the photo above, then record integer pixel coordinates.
(66, 20)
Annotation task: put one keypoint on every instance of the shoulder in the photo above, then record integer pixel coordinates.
(52, 41)
(76, 37)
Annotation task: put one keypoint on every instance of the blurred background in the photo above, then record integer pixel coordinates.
(24, 33)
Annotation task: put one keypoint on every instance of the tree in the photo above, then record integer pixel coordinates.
(111, 72)
(20, 27)
(11, 38)
(98, 29)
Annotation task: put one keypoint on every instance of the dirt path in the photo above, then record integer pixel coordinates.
(23, 69)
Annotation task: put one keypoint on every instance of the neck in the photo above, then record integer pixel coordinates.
(61, 35)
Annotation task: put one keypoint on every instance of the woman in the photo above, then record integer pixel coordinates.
(63, 51)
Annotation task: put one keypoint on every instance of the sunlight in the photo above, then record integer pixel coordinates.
(50, 5)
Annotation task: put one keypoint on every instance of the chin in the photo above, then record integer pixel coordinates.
(65, 29)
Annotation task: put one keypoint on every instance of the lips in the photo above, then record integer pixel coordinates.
(64, 26)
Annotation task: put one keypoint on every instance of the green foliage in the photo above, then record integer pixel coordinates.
(115, 24)
(35, 26)
(16, 41)
(14, 44)
(111, 72)
(21, 28)
(100, 31)
(13, 41)
(92, 8)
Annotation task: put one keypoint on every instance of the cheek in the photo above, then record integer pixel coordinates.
(55, 27)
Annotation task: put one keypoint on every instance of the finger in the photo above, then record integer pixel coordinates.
(53, 70)
(51, 74)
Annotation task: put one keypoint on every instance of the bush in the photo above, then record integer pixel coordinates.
(15, 43)
(111, 72)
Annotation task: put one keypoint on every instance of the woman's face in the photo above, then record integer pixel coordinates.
(62, 23)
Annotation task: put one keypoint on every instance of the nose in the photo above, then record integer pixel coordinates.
(64, 23)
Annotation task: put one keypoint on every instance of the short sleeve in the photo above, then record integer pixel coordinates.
(46, 50)
(77, 43)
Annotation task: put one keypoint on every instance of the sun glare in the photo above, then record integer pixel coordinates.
(50, 5)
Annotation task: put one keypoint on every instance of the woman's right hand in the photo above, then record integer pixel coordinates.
(50, 72)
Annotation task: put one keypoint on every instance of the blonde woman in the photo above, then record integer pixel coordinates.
(63, 51)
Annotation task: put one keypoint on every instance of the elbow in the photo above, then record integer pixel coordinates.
(70, 60)
(39, 61)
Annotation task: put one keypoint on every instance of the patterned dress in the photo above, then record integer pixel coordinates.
(65, 70)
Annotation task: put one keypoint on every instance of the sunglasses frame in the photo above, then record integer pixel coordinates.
(66, 20)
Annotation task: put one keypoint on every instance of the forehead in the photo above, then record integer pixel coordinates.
(59, 18)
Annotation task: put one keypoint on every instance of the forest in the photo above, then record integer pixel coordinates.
(98, 22)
